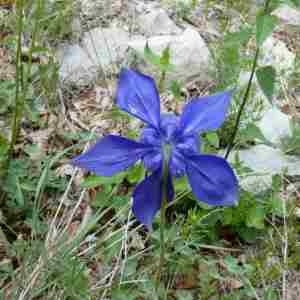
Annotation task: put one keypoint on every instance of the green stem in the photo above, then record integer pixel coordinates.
(37, 17)
(163, 210)
(241, 109)
(246, 95)
(19, 101)
(161, 84)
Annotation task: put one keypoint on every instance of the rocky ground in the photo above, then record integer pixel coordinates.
(101, 48)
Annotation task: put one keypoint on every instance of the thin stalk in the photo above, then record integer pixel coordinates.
(163, 210)
(161, 84)
(241, 109)
(36, 27)
(19, 100)
(162, 238)
(246, 95)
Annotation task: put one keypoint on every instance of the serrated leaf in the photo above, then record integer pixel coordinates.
(266, 78)
(264, 27)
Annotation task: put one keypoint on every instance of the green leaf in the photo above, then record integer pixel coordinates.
(252, 132)
(165, 57)
(39, 49)
(213, 139)
(175, 88)
(264, 27)
(153, 58)
(181, 185)
(101, 200)
(276, 206)
(161, 61)
(270, 294)
(19, 194)
(241, 37)
(136, 174)
(119, 201)
(295, 2)
(95, 181)
(3, 146)
(266, 78)
(232, 265)
(256, 217)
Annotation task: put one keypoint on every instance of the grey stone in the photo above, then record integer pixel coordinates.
(106, 46)
(190, 55)
(288, 15)
(274, 52)
(275, 126)
(157, 22)
(265, 162)
(75, 65)
(99, 53)
(256, 183)
(264, 159)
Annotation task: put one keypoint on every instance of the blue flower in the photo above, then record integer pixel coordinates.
(211, 178)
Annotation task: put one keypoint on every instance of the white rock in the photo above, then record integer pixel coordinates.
(275, 52)
(75, 65)
(256, 183)
(189, 54)
(157, 22)
(100, 51)
(275, 126)
(265, 162)
(106, 46)
(87, 6)
(288, 15)
(264, 159)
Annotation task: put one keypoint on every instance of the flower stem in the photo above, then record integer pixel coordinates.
(162, 240)
(242, 107)
(164, 206)
(246, 95)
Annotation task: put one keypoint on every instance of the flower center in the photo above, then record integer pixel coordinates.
(169, 146)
